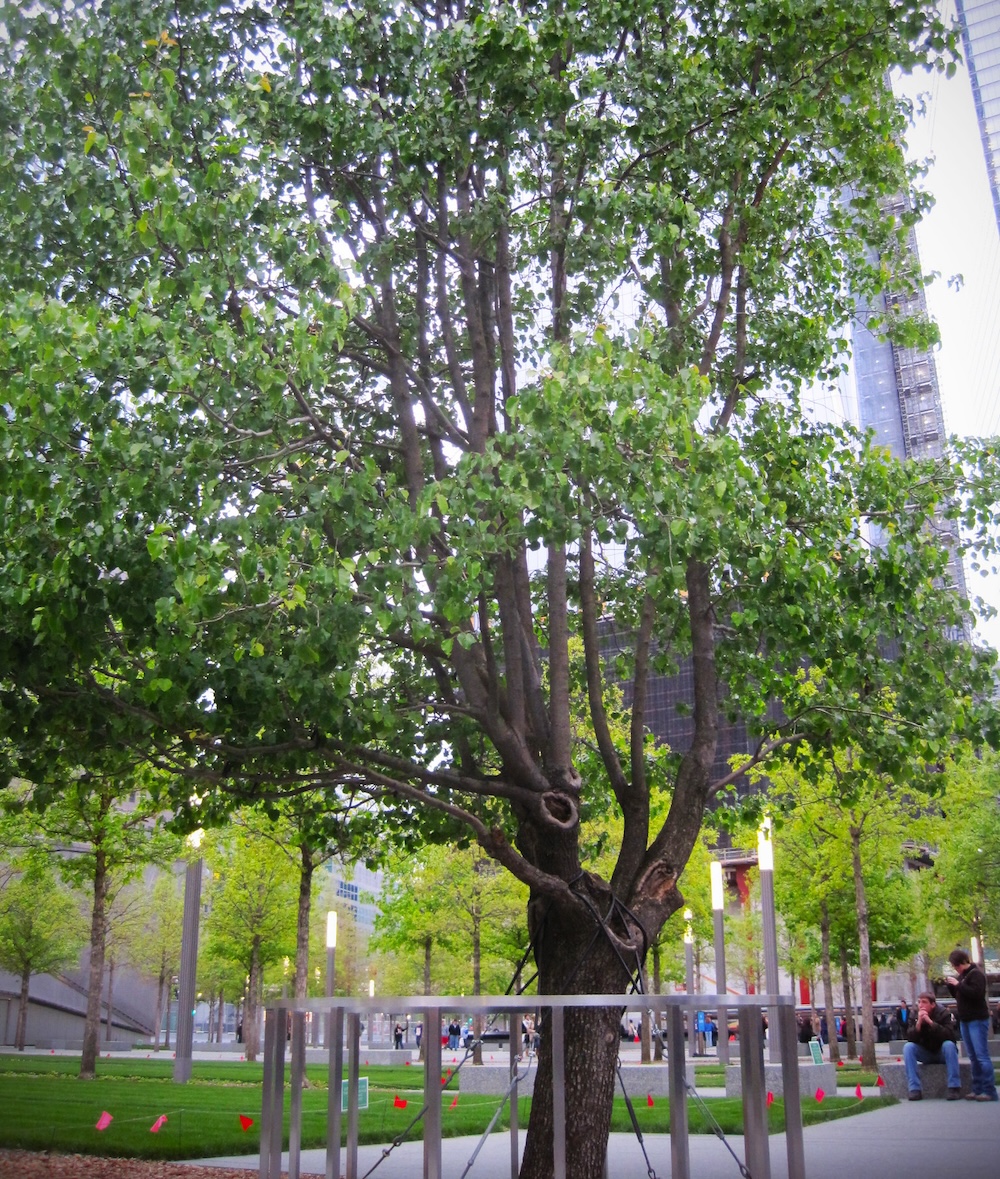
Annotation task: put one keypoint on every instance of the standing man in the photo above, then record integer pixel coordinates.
(931, 1040)
(968, 985)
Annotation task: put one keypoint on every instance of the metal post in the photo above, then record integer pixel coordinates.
(719, 932)
(295, 1099)
(680, 1155)
(689, 980)
(275, 1023)
(353, 1072)
(513, 1049)
(558, 1042)
(432, 1094)
(758, 1160)
(765, 862)
(335, 1043)
(795, 1150)
(187, 995)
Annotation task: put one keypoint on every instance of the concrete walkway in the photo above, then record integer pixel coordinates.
(911, 1140)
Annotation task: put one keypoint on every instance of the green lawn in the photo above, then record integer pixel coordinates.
(45, 1107)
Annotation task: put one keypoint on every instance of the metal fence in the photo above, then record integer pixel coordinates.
(344, 1024)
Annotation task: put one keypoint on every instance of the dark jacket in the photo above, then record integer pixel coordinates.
(970, 995)
(932, 1036)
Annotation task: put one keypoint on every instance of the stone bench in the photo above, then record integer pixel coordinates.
(933, 1079)
(639, 1079)
(811, 1078)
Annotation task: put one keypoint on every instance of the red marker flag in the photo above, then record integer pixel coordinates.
(158, 1125)
(770, 1098)
(399, 1102)
(820, 1094)
(858, 1093)
(840, 1064)
(879, 1082)
(104, 1121)
(649, 1100)
(245, 1122)
(454, 1102)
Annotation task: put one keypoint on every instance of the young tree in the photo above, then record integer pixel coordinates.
(41, 931)
(155, 946)
(101, 830)
(251, 922)
(323, 421)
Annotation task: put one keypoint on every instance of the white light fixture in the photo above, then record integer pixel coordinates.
(718, 888)
(688, 932)
(975, 949)
(371, 988)
(331, 929)
(765, 846)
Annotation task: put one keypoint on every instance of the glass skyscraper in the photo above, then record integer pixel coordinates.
(980, 20)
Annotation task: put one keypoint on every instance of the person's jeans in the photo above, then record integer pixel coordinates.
(914, 1054)
(975, 1037)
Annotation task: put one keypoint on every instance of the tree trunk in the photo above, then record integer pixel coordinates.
(166, 1022)
(92, 1024)
(306, 868)
(161, 984)
(251, 1008)
(831, 1026)
(428, 943)
(111, 993)
(477, 989)
(658, 989)
(571, 962)
(845, 975)
(864, 956)
(22, 1011)
(645, 1031)
(222, 1016)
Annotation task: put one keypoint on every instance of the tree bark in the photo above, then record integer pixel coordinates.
(161, 984)
(831, 1026)
(22, 1011)
(864, 955)
(845, 975)
(571, 961)
(306, 868)
(98, 922)
(251, 1008)
(111, 993)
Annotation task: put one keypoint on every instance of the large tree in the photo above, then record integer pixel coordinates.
(358, 357)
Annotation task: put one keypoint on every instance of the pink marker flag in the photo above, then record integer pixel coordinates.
(454, 1102)
(104, 1121)
(158, 1125)
(820, 1094)
(770, 1098)
(879, 1082)
(857, 1093)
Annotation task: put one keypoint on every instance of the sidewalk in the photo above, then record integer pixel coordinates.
(925, 1140)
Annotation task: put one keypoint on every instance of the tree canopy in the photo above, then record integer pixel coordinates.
(359, 358)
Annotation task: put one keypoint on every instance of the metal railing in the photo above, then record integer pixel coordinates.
(344, 1021)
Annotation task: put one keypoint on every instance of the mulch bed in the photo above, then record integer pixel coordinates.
(26, 1164)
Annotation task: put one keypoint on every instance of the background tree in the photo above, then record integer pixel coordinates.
(41, 931)
(321, 429)
(101, 829)
(251, 922)
(964, 831)
(154, 947)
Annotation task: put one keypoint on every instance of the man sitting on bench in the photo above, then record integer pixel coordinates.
(931, 1040)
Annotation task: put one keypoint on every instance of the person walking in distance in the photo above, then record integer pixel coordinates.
(968, 985)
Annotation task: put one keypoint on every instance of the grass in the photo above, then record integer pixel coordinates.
(45, 1107)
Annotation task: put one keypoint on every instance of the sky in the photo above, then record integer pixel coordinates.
(960, 236)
